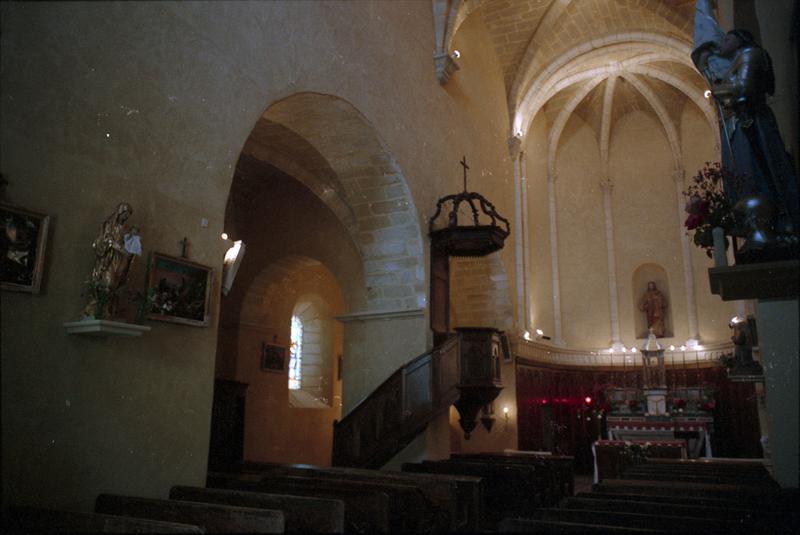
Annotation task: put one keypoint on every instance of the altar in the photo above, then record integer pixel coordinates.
(659, 412)
(694, 429)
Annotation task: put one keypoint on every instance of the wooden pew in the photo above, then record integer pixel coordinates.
(301, 513)
(457, 499)
(530, 525)
(640, 520)
(659, 509)
(726, 472)
(26, 520)
(409, 510)
(678, 488)
(508, 489)
(366, 510)
(558, 470)
(209, 517)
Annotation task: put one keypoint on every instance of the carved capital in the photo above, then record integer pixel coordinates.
(679, 175)
(514, 146)
(445, 66)
(607, 185)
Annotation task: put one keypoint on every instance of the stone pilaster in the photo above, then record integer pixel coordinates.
(613, 300)
(686, 256)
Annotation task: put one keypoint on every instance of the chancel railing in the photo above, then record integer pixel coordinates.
(399, 409)
(679, 357)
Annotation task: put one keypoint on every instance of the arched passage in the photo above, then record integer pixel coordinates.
(320, 203)
(326, 144)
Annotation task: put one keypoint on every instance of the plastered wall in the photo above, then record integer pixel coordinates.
(646, 229)
(275, 431)
(151, 103)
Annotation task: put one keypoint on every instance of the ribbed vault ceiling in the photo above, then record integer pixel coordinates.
(594, 59)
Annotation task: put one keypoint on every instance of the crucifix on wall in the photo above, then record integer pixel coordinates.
(184, 247)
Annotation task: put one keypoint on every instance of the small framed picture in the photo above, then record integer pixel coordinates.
(22, 248)
(181, 290)
(273, 358)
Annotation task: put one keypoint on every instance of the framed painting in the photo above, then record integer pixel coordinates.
(22, 248)
(181, 290)
(273, 358)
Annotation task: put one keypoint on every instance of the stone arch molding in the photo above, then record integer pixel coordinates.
(586, 66)
(328, 145)
(534, 87)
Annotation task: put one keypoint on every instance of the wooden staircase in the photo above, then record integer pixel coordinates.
(387, 420)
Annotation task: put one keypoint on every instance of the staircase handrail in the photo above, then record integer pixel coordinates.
(385, 421)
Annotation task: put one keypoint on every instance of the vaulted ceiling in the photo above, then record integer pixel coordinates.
(594, 59)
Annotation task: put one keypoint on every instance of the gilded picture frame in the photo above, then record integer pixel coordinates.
(181, 290)
(23, 243)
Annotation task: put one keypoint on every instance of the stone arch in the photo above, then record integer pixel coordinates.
(527, 95)
(643, 274)
(330, 147)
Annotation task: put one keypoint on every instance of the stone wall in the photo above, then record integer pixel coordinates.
(152, 103)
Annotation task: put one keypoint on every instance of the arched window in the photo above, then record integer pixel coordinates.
(296, 354)
(311, 354)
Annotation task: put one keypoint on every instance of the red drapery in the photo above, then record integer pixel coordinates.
(555, 414)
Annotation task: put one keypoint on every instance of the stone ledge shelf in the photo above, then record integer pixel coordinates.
(103, 328)
(770, 280)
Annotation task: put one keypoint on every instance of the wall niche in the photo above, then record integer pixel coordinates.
(642, 276)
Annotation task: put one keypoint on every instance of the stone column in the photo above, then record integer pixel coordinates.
(515, 151)
(526, 246)
(551, 196)
(686, 256)
(613, 301)
(779, 347)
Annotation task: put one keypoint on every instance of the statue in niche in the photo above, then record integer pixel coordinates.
(760, 181)
(654, 305)
(114, 250)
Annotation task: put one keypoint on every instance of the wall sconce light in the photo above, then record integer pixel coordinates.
(527, 335)
(505, 413)
(540, 335)
(231, 263)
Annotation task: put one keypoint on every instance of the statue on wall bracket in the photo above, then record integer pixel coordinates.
(759, 177)
(115, 247)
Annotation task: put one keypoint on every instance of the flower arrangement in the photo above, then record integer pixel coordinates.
(708, 207)
(678, 404)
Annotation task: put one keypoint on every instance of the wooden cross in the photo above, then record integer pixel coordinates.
(463, 162)
(184, 246)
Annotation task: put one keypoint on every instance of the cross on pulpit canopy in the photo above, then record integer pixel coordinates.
(463, 163)
(184, 247)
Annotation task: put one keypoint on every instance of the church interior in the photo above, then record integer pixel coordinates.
(304, 248)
